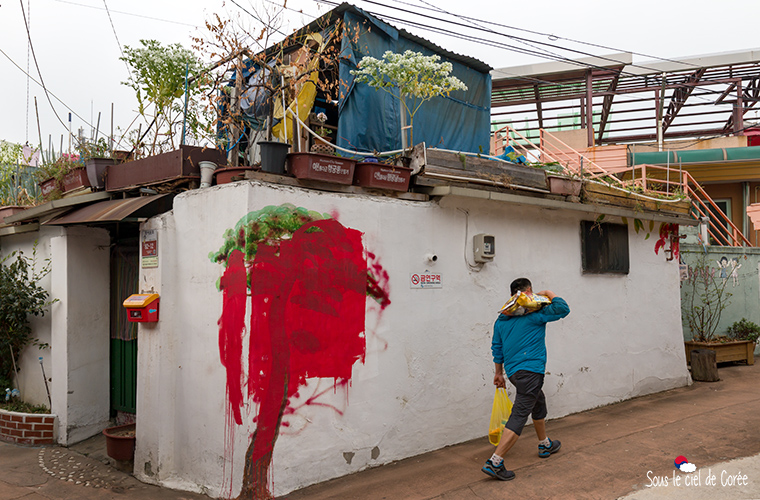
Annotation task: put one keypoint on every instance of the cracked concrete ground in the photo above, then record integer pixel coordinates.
(607, 453)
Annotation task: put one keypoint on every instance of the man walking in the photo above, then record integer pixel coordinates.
(519, 349)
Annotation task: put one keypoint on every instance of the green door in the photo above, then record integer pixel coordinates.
(124, 375)
(124, 282)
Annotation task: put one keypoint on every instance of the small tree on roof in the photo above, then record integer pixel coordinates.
(417, 77)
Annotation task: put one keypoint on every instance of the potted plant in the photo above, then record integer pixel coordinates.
(322, 143)
(370, 173)
(66, 173)
(704, 299)
(97, 158)
(120, 442)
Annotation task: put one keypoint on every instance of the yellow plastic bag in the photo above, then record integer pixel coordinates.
(502, 408)
(524, 303)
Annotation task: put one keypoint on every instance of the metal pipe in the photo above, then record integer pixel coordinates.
(44, 377)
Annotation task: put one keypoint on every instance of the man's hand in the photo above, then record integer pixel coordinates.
(548, 293)
(498, 380)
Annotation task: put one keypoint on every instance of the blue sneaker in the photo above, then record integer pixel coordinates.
(498, 471)
(545, 451)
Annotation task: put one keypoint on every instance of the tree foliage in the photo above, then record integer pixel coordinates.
(158, 79)
(418, 78)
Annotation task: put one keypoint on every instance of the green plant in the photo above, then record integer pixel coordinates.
(16, 179)
(94, 149)
(417, 78)
(22, 407)
(21, 296)
(158, 75)
(59, 167)
(744, 330)
(704, 299)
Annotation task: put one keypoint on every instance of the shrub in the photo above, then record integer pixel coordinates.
(20, 296)
(744, 330)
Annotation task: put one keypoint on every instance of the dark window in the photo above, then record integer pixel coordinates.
(604, 247)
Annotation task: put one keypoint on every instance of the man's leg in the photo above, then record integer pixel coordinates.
(540, 427)
(528, 387)
(546, 446)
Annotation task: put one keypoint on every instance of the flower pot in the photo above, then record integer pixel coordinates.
(207, 173)
(322, 148)
(321, 167)
(75, 179)
(230, 174)
(564, 185)
(380, 176)
(96, 171)
(273, 156)
(120, 442)
(49, 187)
(737, 350)
(9, 210)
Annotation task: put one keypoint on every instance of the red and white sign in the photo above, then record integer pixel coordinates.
(425, 280)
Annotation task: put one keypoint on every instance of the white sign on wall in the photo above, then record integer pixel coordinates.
(149, 248)
(425, 280)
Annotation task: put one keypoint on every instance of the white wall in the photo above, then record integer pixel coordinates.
(427, 379)
(76, 327)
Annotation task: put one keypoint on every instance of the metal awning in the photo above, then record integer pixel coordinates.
(124, 210)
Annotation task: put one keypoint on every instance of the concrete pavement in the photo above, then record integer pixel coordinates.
(607, 453)
(617, 451)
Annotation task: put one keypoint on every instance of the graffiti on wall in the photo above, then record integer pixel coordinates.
(304, 279)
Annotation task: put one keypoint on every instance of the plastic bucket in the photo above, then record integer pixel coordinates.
(273, 156)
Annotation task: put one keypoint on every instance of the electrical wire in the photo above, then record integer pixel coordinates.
(34, 56)
(28, 60)
(129, 14)
(113, 28)
(537, 53)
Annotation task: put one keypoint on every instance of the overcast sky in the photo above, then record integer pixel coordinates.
(77, 45)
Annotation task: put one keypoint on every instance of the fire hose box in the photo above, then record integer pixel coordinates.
(142, 307)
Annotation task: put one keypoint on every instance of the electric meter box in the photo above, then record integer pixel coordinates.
(142, 307)
(484, 247)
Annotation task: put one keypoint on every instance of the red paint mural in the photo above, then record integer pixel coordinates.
(306, 279)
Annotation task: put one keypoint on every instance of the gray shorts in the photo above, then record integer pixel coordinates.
(530, 399)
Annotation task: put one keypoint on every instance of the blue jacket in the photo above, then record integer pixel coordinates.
(519, 342)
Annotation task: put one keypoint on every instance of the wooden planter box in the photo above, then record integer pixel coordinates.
(738, 350)
(175, 165)
(564, 186)
(75, 179)
(8, 210)
(594, 192)
(380, 176)
(321, 167)
(230, 174)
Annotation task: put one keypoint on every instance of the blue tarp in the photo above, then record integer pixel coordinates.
(370, 119)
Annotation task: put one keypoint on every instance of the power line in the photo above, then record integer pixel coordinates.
(129, 14)
(30, 77)
(113, 28)
(34, 56)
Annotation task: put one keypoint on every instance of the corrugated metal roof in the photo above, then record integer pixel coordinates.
(116, 210)
(334, 14)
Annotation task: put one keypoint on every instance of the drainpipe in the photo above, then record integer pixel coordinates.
(745, 204)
